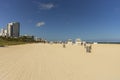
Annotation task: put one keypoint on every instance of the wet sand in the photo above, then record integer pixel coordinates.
(53, 62)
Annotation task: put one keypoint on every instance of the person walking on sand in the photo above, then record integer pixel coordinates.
(84, 45)
(64, 45)
(88, 48)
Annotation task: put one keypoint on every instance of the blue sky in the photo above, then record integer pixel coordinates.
(96, 20)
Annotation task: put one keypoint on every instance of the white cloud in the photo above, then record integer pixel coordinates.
(39, 24)
(46, 6)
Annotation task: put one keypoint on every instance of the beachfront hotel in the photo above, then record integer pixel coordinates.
(3, 32)
(13, 29)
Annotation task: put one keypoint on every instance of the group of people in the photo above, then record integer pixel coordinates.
(87, 46)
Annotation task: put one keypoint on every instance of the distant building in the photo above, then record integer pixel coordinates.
(69, 41)
(84, 42)
(13, 29)
(28, 36)
(3, 32)
(78, 41)
(95, 43)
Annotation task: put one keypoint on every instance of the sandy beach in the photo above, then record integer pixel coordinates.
(53, 62)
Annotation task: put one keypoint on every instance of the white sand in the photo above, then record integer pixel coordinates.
(53, 62)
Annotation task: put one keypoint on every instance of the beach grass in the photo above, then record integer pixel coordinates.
(7, 43)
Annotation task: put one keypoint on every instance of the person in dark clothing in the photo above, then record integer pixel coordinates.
(88, 48)
(84, 45)
(63, 45)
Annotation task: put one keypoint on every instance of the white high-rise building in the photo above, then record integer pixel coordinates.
(3, 32)
(13, 29)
